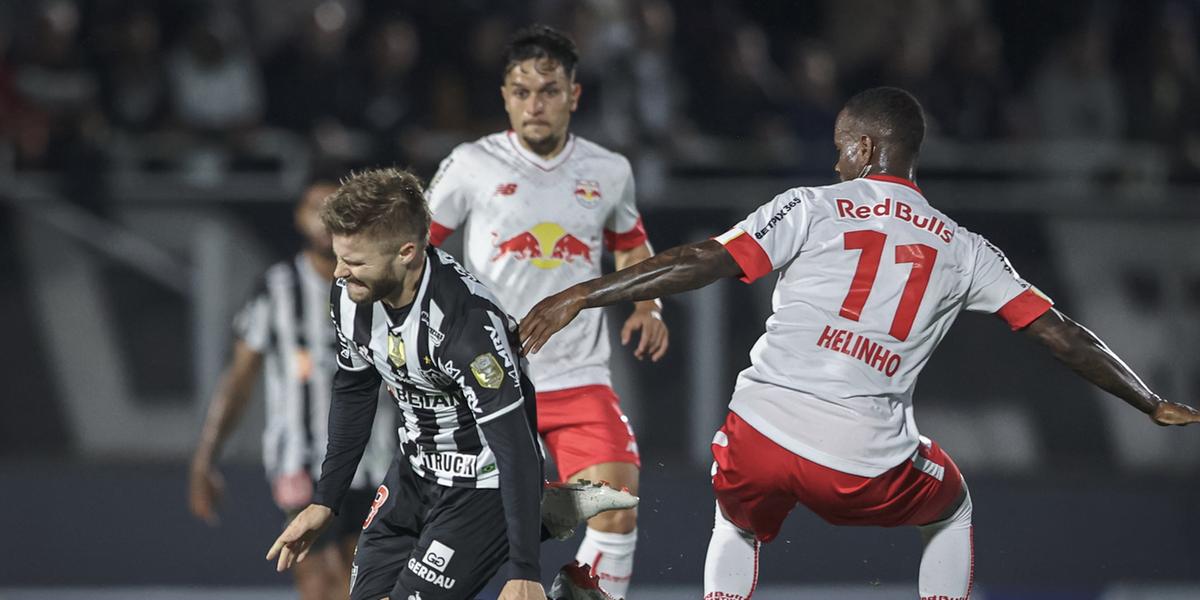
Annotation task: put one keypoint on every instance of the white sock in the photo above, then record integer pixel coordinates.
(948, 564)
(610, 556)
(731, 567)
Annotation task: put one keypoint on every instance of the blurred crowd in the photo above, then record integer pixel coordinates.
(207, 86)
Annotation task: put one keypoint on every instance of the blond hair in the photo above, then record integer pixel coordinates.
(385, 203)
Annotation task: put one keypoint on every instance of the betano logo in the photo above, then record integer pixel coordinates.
(545, 246)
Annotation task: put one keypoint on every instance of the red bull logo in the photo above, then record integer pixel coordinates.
(545, 246)
(587, 192)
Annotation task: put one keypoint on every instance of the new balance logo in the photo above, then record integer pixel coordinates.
(506, 189)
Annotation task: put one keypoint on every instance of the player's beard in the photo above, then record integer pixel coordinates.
(377, 290)
(543, 146)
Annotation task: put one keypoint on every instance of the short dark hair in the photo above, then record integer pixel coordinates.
(380, 202)
(891, 114)
(541, 42)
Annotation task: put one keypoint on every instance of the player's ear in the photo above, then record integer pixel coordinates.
(408, 252)
(576, 90)
(866, 149)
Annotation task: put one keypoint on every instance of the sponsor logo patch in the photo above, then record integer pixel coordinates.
(420, 570)
(452, 463)
(438, 556)
(487, 371)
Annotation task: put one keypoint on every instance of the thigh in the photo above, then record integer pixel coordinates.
(916, 492)
(584, 427)
(463, 544)
(389, 533)
(748, 470)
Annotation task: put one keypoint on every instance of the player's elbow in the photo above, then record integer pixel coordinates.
(1065, 338)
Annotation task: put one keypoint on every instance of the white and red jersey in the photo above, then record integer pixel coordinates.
(871, 278)
(535, 227)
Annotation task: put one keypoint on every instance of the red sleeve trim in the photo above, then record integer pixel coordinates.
(1024, 309)
(633, 238)
(749, 256)
(438, 233)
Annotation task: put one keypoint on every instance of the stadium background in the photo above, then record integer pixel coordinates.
(150, 153)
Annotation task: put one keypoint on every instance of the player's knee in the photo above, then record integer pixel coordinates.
(615, 521)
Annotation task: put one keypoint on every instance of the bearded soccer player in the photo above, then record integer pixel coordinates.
(540, 205)
(463, 494)
(284, 334)
(871, 276)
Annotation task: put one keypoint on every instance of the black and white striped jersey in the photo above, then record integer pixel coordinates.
(287, 321)
(450, 361)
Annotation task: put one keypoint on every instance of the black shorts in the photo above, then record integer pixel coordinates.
(443, 542)
(349, 520)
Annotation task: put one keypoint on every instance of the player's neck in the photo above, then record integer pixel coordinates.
(885, 165)
(408, 291)
(322, 264)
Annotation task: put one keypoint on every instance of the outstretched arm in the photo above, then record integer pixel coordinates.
(679, 269)
(1078, 348)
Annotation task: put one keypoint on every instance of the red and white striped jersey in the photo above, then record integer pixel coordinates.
(870, 279)
(535, 227)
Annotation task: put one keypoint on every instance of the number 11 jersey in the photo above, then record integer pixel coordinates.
(870, 279)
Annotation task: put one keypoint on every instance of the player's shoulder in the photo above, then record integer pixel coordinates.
(587, 150)
(344, 310)
(455, 288)
(479, 150)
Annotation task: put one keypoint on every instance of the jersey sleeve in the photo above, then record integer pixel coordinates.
(252, 324)
(771, 236)
(449, 197)
(484, 364)
(623, 230)
(341, 310)
(997, 288)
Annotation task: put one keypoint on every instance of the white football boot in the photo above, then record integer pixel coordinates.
(565, 505)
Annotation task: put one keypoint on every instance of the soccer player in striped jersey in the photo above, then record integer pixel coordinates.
(871, 277)
(463, 495)
(538, 207)
(283, 333)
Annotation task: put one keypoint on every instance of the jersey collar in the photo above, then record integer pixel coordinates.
(538, 161)
(893, 179)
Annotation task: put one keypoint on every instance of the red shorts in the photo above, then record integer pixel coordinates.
(758, 482)
(583, 427)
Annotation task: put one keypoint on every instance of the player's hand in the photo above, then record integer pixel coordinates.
(522, 589)
(1172, 413)
(547, 318)
(205, 487)
(294, 543)
(655, 337)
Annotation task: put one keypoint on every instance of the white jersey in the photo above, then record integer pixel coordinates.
(536, 227)
(871, 278)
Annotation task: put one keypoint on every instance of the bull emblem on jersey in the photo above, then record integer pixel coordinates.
(587, 193)
(545, 246)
